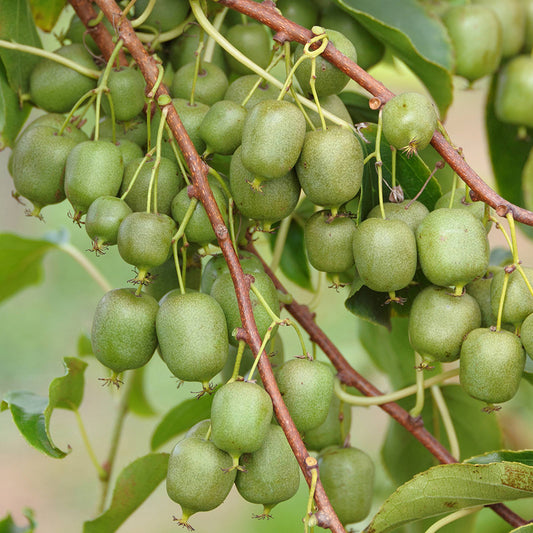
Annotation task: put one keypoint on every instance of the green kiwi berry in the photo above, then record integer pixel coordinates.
(439, 322)
(526, 334)
(209, 87)
(254, 41)
(123, 334)
(333, 104)
(239, 90)
(165, 14)
(126, 89)
(411, 212)
(518, 299)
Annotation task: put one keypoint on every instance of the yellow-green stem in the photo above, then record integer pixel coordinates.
(102, 474)
(452, 518)
(502, 301)
(238, 359)
(439, 400)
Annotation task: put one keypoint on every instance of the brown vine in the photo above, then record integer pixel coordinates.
(287, 30)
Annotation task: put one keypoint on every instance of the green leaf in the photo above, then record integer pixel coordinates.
(31, 413)
(7, 525)
(17, 25)
(446, 488)
(137, 400)
(12, 115)
(415, 37)
(508, 153)
(85, 348)
(28, 410)
(46, 12)
(134, 484)
(403, 456)
(528, 528)
(66, 392)
(524, 456)
(20, 263)
(293, 258)
(181, 418)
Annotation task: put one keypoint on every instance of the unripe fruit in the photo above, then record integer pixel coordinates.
(123, 333)
(254, 41)
(221, 128)
(240, 88)
(409, 211)
(329, 79)
(55, 87)
(272, 138)
(480, 290)
(272, 200)
(330, 167)
(439, 322)
(385, 254)
(103, 219)
(302, 12)
(192, 334)
(328, 241)
(347, 475)
(210, 86)
(199, 227)
(409, 121)
(126, 88)
(56, 121)
(134, 130)
(165, 14)
(333, 104)
(518, 300)
(272, 473)
(460, 202)
(307, 388)
(38, 166)
(128, 149)
(198, 477)
(491, 365)
(191, 116)
(93, 169)
(514, 89)
(241, 413)
(526, 334)
(224, 292)
(144, 239)
(169, 182)
(452, 247)
(476, 35)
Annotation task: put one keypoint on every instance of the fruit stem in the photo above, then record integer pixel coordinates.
(379, 164)
(281, 238)
(420, 395)
(312, 464)
(440, 402)
(261, 350)
(178, 155)
(458, 291)
(239, 56)
(155, 169)
(211, 43)
(169, 35)
(502, 301)
(141, 19)
(238, 359)
(90, 73)
(365, 401)
(221, 182)
(137, 172)
(231, 222)
(393, 170)
(275, 60)
(502, 229)
(439, 524)
(90, 96)
(514, 243)
(86, 264)
(102, 474)
(197, 64)
(177, 265)
(454, 187)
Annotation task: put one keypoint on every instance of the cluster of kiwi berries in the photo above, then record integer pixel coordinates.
(263, 151)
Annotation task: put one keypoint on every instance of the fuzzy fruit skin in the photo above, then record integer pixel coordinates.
(347, 475)
(38, 165)
(480, 290)
(328, 241)
(198, 228)
(144, 239)
(192, 334)
(491, 365)
(217, 265)
(514, 89)
(238, 90)
(55, 121)
(197, 476)
(330, 167)
(439, 321)
(307, 388)
(165, 15)
(526, 335)
(409, 121)
(93, 169)
(476, 34)
(518, 300)
(453, 248)
(412, 213)
(254, 41)
(385, 254)
(169, 182)
(272, 472)
(329, 79)
(134, 130)
(459, 202)
(56, 88)
(104, 217)
(123, 334)
(224, 292)
(211, 83)
(126, 87)
(241, 413)
(272, 137)
(333, 104)
(273, 201)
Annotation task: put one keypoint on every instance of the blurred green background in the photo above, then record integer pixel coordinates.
(41, 325)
